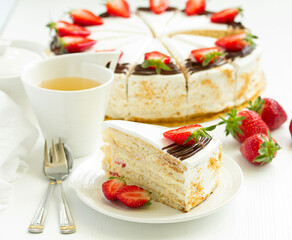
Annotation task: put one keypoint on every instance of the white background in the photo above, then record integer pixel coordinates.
(262, 210)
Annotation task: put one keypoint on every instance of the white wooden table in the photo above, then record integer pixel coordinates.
(262, 210)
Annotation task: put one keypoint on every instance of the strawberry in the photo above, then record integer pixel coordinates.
(259, 148)
(244, 124)
(84, 17)
(71, 44)
(118, 8)
(133, 196)
(236, 42)
(157, 61)
(290, 127)
(195, 7)
(188, 135)
(159, 6)
(111, 187)
(206, 56)
(226, 15)
(63, 28)
(270, 110)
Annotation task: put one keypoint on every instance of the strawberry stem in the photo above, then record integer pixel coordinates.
(211, 56)
(257, 105)
(201, 132)
(249, 39)
(157, 63)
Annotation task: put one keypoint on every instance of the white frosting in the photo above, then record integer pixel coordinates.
(153, 135)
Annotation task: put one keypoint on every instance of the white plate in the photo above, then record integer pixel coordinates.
(88, 178)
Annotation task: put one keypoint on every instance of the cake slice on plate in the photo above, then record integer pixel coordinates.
(211, 88)
(178, 176)
(157, 87)
(131, 49)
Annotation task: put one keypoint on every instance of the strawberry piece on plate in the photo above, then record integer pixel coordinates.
(63, 28)
(111, 187)
(290, 127)
(259, 148)
(195, 7)
(133, 196)
(157, 61)
(270, 111)
(206, 56)
(236, 42)
(118, 8)
(244, 124)
(159, 6)
(85, 17)
(226, 15)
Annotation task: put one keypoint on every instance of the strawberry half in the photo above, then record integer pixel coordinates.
(159, 6)
(225, 16)
(236, 42)
(195, 7)
(244, 124)
(71, 44)
(111, 187)
(133, 196)
(157, 61)
(188, 135)
(63, 28)
(290, 127)
(118, 8)
(206, 56)
(259, 148)
(84, 17)
(270, 110)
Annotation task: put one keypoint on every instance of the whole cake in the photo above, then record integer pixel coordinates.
(178, 176)
(184, 87)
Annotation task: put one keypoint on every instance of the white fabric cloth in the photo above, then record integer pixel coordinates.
(17, 138)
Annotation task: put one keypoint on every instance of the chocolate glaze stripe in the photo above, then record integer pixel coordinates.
(184, 152)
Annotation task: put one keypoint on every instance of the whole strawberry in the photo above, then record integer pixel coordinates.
(244, 124)
(259, 148)
(270, 110)
(112, 186)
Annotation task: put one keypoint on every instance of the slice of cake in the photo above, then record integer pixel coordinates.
(131, 49)
(210, 88)
(156, 22)
(178, 176)
(200, 25)
(157, 96)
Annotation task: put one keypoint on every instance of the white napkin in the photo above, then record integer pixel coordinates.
(17, 138)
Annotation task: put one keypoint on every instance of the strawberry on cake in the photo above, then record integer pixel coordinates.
(157, 159)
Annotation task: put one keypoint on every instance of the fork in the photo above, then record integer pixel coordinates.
(58, 170)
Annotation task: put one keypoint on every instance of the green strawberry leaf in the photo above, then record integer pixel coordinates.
(157, 63)
(249, 39)
(211, 56)
(257, 106)
(200, 132)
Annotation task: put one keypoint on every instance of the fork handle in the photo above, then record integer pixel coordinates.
(37, 223)
(67, 224)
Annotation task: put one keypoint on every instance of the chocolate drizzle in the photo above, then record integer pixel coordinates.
(147, 9)
(122, 68)
(194, 67)
(244, 52)
(104, 15)
(150, 71)
(183, 152)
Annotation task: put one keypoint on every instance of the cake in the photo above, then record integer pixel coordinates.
(188, 92)
(140, 153)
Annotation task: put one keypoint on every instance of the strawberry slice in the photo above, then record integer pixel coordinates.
(63, 28)
(118, 8)
(236, 42)
(133, 196)
(111, 187)
(206, 56)
(259, 148)
(71, 44)
(84, 17)
(244, 124)
(156, 60)
(290, 127)
(188, 135)
(195, 7)
(226, 15)
(270, 111)
(159, 6)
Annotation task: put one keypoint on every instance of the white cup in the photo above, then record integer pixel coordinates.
(74, 116)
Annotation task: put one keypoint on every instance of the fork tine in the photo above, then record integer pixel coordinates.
(54, 152)
(46, 154)
(62, 155)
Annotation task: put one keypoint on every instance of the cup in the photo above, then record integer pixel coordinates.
(74, 116)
